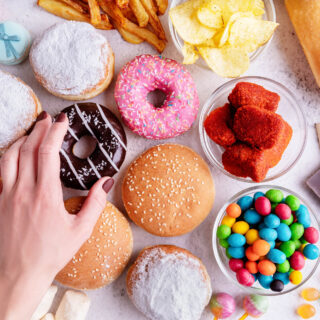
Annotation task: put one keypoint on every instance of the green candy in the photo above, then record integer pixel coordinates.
(291, 269)
(288, 221)
(223, 231)
(228, 254)
(293, 202)
(297, 244)
(288, 248)
(274, 195)
(224, 243)
(297, 231)
(283, 267)
(273, 206)
(303, 241)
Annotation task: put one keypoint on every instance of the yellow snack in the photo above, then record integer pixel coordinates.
(190, 53)
(226, 61)
(210, 16)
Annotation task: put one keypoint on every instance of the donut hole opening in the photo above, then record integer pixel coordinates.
(157, 98)
(84, 147)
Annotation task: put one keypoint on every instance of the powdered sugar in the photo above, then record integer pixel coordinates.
(17, 108)
(71, 57)
(173, 288)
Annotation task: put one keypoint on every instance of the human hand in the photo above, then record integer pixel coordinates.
(38, 237)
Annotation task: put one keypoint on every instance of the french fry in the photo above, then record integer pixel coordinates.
(122, 3)
(62, 10)
(162, 6)
(77, 5)
(154, 19)
(140, 12)
(126, 35)
(95, 17)
(128, 13)
(114, 12)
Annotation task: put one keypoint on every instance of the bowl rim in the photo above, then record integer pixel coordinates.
(215, 244)
(253, 56)
(208, 104)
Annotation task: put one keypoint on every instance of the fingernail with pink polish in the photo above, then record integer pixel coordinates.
(61, 117)
(108, 185)
(43, 115)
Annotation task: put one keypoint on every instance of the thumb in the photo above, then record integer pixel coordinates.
(95, 202)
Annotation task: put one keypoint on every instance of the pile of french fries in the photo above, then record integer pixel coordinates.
(136, 20)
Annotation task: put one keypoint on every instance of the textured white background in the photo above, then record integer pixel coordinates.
(283, 61)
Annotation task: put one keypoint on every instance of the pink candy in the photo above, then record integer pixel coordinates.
(297, 261)
(311, 234)
(263, 206)
(245, 278)
(283, 211)
(235, 264)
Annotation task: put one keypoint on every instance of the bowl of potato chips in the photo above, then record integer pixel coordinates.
(222, 35)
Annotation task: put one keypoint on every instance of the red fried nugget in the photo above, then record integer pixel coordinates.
(217, 126)
(245, 93)
(258, 127)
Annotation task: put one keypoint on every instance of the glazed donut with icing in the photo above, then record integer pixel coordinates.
(98, 122)
(72, 60)
(19, 108)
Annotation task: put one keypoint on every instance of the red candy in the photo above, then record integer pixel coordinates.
(245, 278)
(297, 261)
(311, 234)
(235, 264)
(263, 206)
(283, 211)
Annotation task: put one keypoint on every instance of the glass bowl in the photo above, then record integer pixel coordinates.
(223, 261)
(288, 108)
(270, 14)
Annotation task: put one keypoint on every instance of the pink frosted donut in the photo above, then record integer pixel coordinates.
(145, 74)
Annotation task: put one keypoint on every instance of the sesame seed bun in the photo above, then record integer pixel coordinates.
(168, 282)
(103, 257)
(168, 190)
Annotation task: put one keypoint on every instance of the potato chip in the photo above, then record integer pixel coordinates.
(227, 61)
(210, 16)
(185, 21)
(250, 33)
(189, 53)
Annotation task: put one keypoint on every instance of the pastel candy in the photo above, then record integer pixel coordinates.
(15, 42)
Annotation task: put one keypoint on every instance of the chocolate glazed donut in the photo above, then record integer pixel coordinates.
(91, 119)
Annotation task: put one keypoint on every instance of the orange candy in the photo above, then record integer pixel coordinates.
(261, 247)
(251, 255)
(233, 210)
(267, 268)
(252, 267)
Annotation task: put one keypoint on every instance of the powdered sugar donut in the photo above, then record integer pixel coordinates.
(169, 283)
(19, 108)
(72, 60)
(145, 74)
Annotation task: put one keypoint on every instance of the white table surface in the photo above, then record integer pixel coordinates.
(284, 61)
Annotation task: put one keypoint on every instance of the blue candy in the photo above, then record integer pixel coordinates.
(284, 232)
(272, 244)
(303, 216)
(258, 195)
(284, 277)
(245, 203)
(236, 252)
(276, 256)
(272, 221)
(311, 251)
(265, 281)
(236, 240)
(252, 216)
(268, 234)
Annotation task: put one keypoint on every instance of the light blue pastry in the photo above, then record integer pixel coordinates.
(15, 42)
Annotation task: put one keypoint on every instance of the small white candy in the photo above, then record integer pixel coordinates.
(45, 303)
(48, 316)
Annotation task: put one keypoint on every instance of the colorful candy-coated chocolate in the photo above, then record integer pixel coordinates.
(228, 221)
(252, 216)
(252, 267)
(310, 294)
(223, 231)
(272, 221)
(295, 277)
(311, 235)
(303, 217)
(233, 210)
(236, 252)
(283, 211)
(311, 251)
(297, 261)
(293, 202)
(251, 236)
(276, 256)
(261, 247)
(236, 240)
(277, 285)
(241, 227)
(306, 311)
(275, 195)
(258, 195)
(284, 232)
(283, 267)
(236, 264)
(224, 243)
(284, 277)
(272, 244)
(268, 234)
(222, 305)
(297, 230)
(245, 203)
(288, 221)
(266, 267)
(297, 244)
(245, 278)
(265, 281)
(288, 248)
(255, 306)
(15, 43)
(263, 206)
(251, 256)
